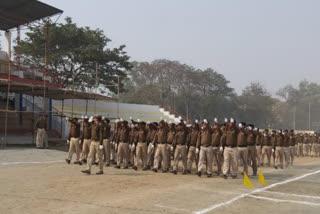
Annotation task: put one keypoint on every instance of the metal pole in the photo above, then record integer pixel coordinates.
(72, 96)
(86, 108)
(46, 67)
(294, 118)
(118, 96)
(61, 120)
(33, 133)
(8, 92)
(95, 95)
(309, 115)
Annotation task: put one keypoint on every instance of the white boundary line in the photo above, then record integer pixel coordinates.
(34, 162)
(295, 195)
(281, 200)
(213, 207)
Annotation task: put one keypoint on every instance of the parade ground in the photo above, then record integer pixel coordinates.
(40, 181)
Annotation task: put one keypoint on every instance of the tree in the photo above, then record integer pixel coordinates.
(298, 100)
(73, 54)
(191, 92)
(256, 105)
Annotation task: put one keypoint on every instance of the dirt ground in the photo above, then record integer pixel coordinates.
(39, 181)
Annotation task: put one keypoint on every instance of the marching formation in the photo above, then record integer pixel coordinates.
(155, 146)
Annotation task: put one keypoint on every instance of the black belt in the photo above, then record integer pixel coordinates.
(230, 146)
(242, 146)
(181, 144)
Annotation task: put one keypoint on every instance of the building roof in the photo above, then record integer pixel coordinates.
(50, 92)
(14, 13)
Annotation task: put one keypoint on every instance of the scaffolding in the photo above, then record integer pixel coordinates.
(13, 14)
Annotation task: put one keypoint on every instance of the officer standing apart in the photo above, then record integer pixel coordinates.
(41, 130)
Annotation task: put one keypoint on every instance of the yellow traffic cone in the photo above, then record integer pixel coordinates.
(246, 181)
(261, 178)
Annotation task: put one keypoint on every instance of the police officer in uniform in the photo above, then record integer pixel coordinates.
(96, 146)
(205, 147)
(230, 150)
(160, 140)
(86, 139)
(73, 140)
(192, 144)
(141, 146)
(180, 144)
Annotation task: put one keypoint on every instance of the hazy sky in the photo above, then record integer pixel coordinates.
(276, 42)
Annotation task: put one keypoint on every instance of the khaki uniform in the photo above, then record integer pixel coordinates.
(192, 155)
(230, 152)
(242, 149)
(266, 149)
(86, 140)
(180, 143)
(292, 143)
(170, 139)
(300, 146)
(279, 153)
(252, 152)
(215, 141)
(306, 141)
(150, 151)
(96, 141)
(106, 134)
(41, 128)
(160, 140)
(114, 143)
(74, 136)
(206, 156)
(141, 148)
(286, 149)
(132, 149)
(123, 147)
(259, 137)
(314, 146)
